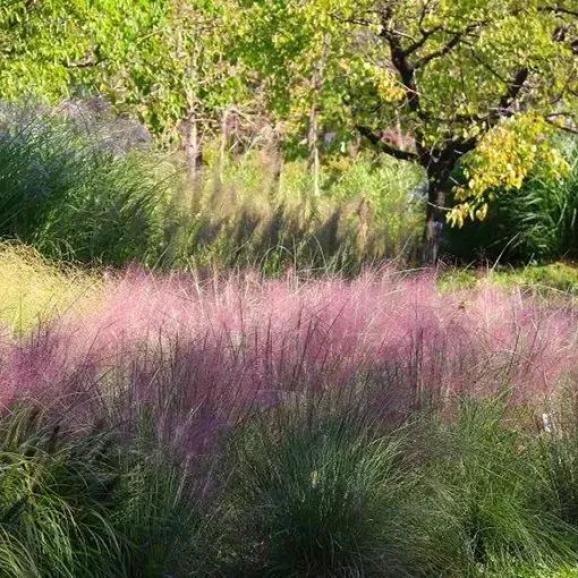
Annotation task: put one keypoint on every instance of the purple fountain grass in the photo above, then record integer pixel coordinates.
(200, 355)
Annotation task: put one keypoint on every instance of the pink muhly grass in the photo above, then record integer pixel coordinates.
(200, 355)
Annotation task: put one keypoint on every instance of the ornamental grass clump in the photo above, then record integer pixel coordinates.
(205, 352)
(80, 504)
(66, 191)
(486, 464)
(314, 489)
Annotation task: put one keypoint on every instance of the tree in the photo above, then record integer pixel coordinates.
(162, 61)
(292, 51)
(478, 84)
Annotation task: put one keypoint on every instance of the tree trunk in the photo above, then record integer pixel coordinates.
(276, 174)
(435, 215)
(224, 144)
(193, 156)
(275, 155)
(313, 136)
(313, 141)
(432, 234)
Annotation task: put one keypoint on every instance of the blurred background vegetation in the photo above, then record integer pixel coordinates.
(90, 187)
(77, 189)
(225, 134)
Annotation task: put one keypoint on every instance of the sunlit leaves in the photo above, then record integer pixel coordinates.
(456, 84)
(170, 59)
(154, 59)
(503, 160)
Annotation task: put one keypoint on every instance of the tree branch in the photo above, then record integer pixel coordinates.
(557, 9)
(401, 63)
(439, 53)
(384, 147)
(503, 110)
(551, 120)
(564, 128)
(455, 40)
(514, 89)
(84, 63)
(425, 34)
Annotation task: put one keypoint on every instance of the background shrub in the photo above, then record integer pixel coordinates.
(536, 223)
(66, 192)
(77, 188)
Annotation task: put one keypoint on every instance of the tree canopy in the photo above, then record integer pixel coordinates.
(479, 83)
(476, 87)
(159, 60)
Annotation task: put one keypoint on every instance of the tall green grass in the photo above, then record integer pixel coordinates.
(536, 223)
(84, 504)
(490, 471)
(67, 193)
(67, 190)
(244, 214)
(315, 486)
(315, 494)
(34, 290)
(319, 489)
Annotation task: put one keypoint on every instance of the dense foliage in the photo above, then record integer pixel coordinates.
(66, 190)
(81, 186)
(535, 223)
(320, 415)
(471, 83)
(246, 427)
(438, 83)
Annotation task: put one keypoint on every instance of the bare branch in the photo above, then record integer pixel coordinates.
(424, 13)
(570, 128)
(454, 42)
(557, 9)
(564, 128)
(385, 147)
